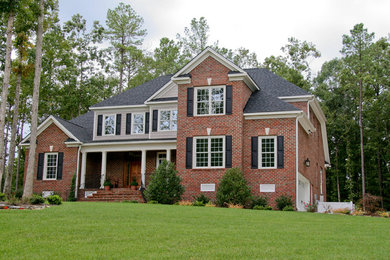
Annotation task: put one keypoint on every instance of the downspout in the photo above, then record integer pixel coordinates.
(296, 160)
(77, 172)
(308, 106)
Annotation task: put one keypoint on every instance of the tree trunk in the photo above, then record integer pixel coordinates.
(5, 146)
(362, 143)
(19, 154)
(380, 176)
(337, 176)
(28, 186)
(14, 130)
(4, 94)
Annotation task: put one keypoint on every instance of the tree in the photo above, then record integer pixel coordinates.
(9, 8)
(195, 38)
(124, 30)
(233, 189)
(167, 57)
(28, 187)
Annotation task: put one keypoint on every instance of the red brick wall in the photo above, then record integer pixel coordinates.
(220, 125)
(311, 146)
(284, 179)
(55, 137)
(300, 105)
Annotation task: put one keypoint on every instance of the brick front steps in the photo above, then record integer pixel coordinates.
(115, 194)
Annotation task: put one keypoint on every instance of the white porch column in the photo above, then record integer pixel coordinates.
(103, 169)
(83, 170)
(168, 155)
(143, 167)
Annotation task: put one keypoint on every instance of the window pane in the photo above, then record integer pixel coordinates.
(203, 101)
(109, 125)
(268, 152)
(51, 166)
(174, 120)
(138, 123)
(216, 152)
(138, 118)
(217, 101)
(202, 152)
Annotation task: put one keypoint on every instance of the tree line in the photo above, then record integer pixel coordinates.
(83, 64)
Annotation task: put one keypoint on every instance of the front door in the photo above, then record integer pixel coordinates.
(132, 171)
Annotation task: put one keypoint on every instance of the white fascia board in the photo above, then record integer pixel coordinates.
(161, 102)
(202, 56)
(244, 77)
(181, 80)
(129, 146)
(306, 124)
(297, 98)
(267, 115)
(167, 85)
(116, 107)
(46, 124)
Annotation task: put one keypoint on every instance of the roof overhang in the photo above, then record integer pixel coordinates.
(244, 77)
(116, 107)
(45, 124)
(303, 98)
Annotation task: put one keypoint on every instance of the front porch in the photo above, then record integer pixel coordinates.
(121, 168)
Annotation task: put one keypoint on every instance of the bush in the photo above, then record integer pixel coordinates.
(184, 203)
(198, 203)
(54, 200)
(37, 199)
(107, 183)
(210, 204)
(283, 201)
(164, 185)
(233, 189)
(3, 197)
(19, 194)
(234, 206)
(259, 207)
(71, 196)
(259, 201)
(373, 203)
(345, 211)
(152, 202)
(288, 208)
(202, 198)
(311, 207)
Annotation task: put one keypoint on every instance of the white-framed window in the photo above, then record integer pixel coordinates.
(109, 122)
(210, 100)
(267, 152)
(50, 166)
(209, 152)
(161, 156)
(167, 120)
(138, 123)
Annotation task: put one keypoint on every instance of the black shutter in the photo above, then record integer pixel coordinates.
(255, 155)
(190, 101)
(118, 124)
(229, 100)
(99, 125)
(59, 167)
(128, 123)
(280, 155)
(189, 153)
(41, 157)
(228, 151)
(155, 118)
(147, 122)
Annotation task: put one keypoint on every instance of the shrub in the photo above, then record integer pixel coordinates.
(37, 199)
(311, 207)
(71, 196)
(259, 207)
(358, 212)
(152, 202)
(198, 203)
(54, 200)
(259, 201)
(342, 211)
(210, 204)
(12, 200)
(2, 197)
(283, 201)
(288, 208)
(19, 194)
(383, 214)
(164, 185)
(372, 203)
(202, 198)
(184, 203)
(233, 189)
(234, 206)
(134, 182)
(107, 183)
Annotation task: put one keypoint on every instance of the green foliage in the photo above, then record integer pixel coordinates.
(152, 202)
(198, 203)
(54, 200)
(233, 189)
(107, 183)
(259, 201)
(164, 185)
(71, 196)
(259, 207)
(134, 182)
(288, 208)
(283, 201)
(3, 197)
(202, 198)
(37, 199)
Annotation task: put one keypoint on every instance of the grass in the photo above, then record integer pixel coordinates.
(126, 230)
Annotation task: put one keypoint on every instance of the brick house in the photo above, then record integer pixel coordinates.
(211, 115)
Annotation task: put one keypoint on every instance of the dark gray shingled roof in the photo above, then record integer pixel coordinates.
(265, 100)
(137, 95)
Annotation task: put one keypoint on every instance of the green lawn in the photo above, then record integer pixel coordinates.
(122, 230)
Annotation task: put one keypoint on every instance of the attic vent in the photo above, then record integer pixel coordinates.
(207, 187)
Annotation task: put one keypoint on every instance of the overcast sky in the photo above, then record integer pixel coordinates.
(261, 26)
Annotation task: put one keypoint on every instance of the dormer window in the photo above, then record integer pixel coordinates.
(210, 100)
(109, 125)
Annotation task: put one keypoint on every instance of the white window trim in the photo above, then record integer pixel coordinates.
(158, 153)
(45, 167)
(209, 152)
(209, 88)
(275, 151)
(104, 124)
(170, 120)
(132, 123)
